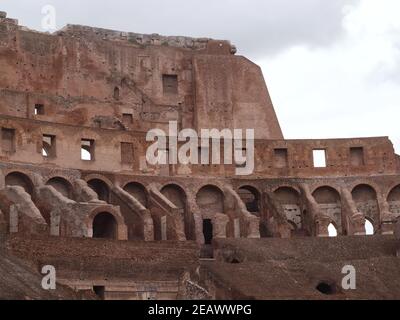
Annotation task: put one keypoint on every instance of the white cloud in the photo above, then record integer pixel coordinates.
(349, 89)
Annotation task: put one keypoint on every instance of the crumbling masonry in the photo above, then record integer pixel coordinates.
(75, 107)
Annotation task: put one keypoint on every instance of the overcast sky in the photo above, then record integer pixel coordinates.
(332, 66)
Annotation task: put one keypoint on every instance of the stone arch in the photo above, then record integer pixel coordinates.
(393, 200)
(289, 199)
(329, 202)
(251, 197)
(210, 200)
(177, 195)
(62, 185)
(365, 198)
(101, 188)
(104, 226)
(20, 179)
(138, 191)
(109, 224)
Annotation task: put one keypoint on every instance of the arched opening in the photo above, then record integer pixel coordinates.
(207, 231)
(251, 198)
(369, 228)
(210, 199)
(290, 201)
(365, 198)
(330, 205)
(104, 226)
(62, 186)
(177, 196)
(21, 180)
(394, 200)
(101, 188)
(137, 191)
(332, 230)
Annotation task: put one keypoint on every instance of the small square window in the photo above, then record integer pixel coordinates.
(319, 158)
(280, 158)
(127, 119)
(39, 109)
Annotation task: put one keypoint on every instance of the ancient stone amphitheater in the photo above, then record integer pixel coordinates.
(77, 193)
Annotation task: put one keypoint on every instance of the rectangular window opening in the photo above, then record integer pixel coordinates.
(170, 83)
(49, 146)
(87, 149)
(127, 153)
(8, 140)
(280, 158)
(319, 158)
(357, 156)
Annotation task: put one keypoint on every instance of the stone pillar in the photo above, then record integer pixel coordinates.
(55, 225)
(13, 219)
(163, 222)
(236, 228)
(321, 225)
(358, 225)
(220, 223)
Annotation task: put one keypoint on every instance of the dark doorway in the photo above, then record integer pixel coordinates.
(104, 226)
(207, 231)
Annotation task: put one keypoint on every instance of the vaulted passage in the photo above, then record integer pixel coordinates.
(330, 205)
(101, 188)
(104, 226)
(366, 201)
(177, 196)
(394, 200)
(62, 186)
(251, 198)
(210, 199)
(21, 180)
(138, 191)
(290, 201)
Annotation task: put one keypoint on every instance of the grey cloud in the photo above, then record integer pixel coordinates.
(256, 27)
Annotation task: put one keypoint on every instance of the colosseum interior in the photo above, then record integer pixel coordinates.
(77, 193)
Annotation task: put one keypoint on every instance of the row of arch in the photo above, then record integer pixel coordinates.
(210, 200)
